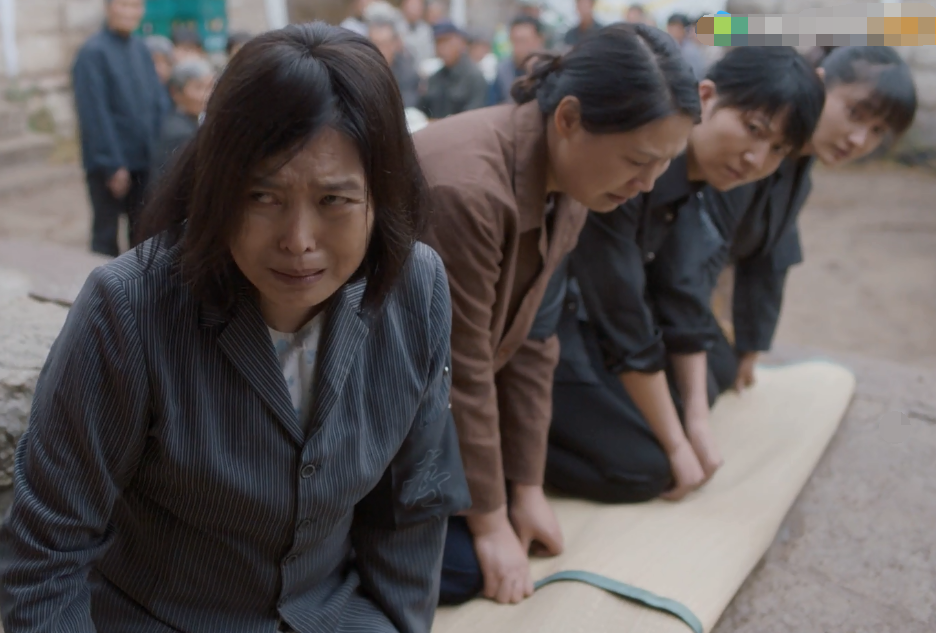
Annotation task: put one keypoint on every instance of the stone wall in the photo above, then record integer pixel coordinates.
(27, 331)
(49, 33)
(922, 60)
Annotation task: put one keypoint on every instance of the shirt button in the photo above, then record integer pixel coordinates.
(698, 195)
(305, 524)
(669, 218)
(307, 471)
(570, 306)
(446, 370)
(651, 257)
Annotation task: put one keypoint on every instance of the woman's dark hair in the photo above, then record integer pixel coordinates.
(893, 95)
(624, 76)
(773, 80)
(288, 85)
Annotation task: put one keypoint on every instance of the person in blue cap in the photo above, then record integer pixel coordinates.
(459, 85)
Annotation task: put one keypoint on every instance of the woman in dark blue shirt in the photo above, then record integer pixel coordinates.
(870, 98)
(622, 431)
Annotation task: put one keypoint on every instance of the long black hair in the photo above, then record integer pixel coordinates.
(624, 76)
(285, 87)
(893, 96)
(774, 80)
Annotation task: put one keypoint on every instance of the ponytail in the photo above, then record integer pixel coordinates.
(545, 65)
(624, 76)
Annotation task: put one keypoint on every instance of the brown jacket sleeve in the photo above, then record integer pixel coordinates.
(468, 236)
(524, 393)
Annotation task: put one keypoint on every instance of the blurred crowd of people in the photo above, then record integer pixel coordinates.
(442, 69)
(134, 115)
(138, 101)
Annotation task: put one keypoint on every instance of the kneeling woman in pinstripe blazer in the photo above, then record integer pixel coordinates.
(244, 424)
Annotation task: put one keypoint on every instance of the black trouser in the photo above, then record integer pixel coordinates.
(462, 579)
(107, 210)
(600, 446)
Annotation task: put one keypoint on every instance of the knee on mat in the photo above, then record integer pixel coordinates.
(633, 482)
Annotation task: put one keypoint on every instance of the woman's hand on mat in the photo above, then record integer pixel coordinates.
(504, 563)
(534, 521)
(699, 432)
(745, 377)
(686, 470)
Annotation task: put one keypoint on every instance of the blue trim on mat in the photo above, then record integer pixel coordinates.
(628, 592)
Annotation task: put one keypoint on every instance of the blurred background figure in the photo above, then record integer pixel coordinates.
(161, 50)
(162, 54)
(187, 44)
(586, 24)
(458, 86)
(236, 41)
(636, 14)
(481, 52)
(190, 86)
(534, 9)
(526, 38)
(120, 103)
(385, 37)
(679, 26)
(436, 11)
(355, 22)
(416, 32)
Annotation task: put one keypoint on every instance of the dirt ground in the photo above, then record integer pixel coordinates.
(856, 553)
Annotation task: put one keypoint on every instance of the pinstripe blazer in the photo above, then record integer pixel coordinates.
(165, 483)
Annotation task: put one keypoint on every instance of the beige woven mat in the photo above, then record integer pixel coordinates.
(700, 550)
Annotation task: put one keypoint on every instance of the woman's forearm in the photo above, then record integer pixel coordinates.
(651, 394)
(691, 371)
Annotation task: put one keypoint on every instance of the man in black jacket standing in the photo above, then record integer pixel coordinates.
(120, 105)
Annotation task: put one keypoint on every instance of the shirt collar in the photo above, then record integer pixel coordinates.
(674, 185)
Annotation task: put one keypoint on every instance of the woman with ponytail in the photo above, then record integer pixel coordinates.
(870, 98)
(631, 395)
(511, 186)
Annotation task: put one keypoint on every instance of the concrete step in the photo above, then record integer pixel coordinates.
(30, 178)
(24, 149)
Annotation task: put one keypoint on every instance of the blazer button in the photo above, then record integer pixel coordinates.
(307, 471)
(669, 217)
(290, 559)
(305, 524)
(570, 306)
(651, 257)
(698, 195)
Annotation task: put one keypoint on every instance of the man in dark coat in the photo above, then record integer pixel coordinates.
(459, 85)
(121, 104)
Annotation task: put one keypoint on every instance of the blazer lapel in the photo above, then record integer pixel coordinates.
(346, 329)
(245, 340)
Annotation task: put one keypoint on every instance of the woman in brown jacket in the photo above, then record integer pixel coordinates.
(511, 186)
